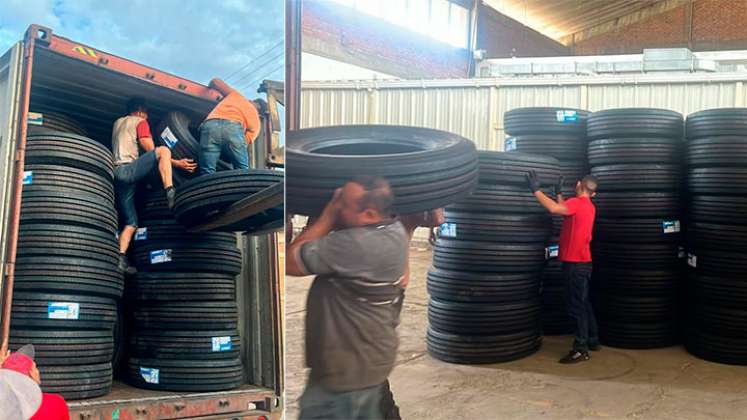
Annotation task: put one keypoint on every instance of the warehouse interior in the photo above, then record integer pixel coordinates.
(684, 56)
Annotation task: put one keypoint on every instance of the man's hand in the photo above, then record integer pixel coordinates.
(559, 185)
(533, 181)
(185, 164)
(332, 209)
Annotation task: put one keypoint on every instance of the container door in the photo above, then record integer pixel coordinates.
(10, 99)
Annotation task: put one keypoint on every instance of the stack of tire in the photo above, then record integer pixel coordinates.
(559, 133)
(484, 283)
(717, 234)
(66, 278)
(635, 153)
(184, 334)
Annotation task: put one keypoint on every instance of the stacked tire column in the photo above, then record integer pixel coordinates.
(717, 234)
(183, 299)
(484, 283)
(66, 277)
(636, 155)
(559, 133)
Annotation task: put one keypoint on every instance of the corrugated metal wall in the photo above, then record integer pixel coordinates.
(474, 108)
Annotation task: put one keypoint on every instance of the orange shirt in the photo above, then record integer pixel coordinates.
(235, 107)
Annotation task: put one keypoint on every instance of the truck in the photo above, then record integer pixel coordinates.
(47, 72)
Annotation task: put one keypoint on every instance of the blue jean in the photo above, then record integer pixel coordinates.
(318, 402)
(126, 177)
(577, 276)
(222, 136)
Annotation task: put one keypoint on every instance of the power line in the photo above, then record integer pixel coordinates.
(252, 60)
(262, 78)
(259, 67)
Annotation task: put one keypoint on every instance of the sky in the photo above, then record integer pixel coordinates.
(194, 39)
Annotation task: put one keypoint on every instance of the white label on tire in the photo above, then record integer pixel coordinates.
(150, 375)
(566, 115)
(35, 118)
(169, 138)
(681, 252)
(221, 343)
(509, 144)
(671, 226)
(141, 234)
(448, 230)
(552, 251)
(692, 260)
(63, 310)
(160, 256)
(28, 177)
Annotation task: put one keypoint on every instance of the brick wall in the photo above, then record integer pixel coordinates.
(715, 25)
(501, 37)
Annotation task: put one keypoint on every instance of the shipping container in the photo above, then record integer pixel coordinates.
(48, 73)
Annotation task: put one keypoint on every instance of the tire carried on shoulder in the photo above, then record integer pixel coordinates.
(426, 168)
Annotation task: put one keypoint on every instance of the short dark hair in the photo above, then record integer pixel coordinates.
(378, 194)
(589, 183)
(136, 104)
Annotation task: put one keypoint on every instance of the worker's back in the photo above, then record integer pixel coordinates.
(575, 234)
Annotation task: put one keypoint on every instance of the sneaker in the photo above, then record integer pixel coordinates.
(595, 347)
(574, 356)
(171, 197)
(124, 265)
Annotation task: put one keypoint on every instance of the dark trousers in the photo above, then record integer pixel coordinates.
(577, 276)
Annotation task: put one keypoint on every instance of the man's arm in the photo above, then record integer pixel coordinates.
(316, 230)
(546, 202)
(221, 86)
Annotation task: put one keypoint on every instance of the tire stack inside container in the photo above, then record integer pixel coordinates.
(183, 303)
(558, 133)
(66, 278)
(484, 283)
(717, 234)
(636, 155)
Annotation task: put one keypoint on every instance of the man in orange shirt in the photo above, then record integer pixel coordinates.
(229, 128)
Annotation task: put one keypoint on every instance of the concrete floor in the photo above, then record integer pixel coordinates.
(647, 384)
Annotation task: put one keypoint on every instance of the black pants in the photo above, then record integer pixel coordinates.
(577, 276)
(388, 407)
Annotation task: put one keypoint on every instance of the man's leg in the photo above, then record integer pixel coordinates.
(163, 154)
(389, 407)
(125, 194)
(577, 294)
(319, 403)
(236, 146)
(210, 145)
(593, 341)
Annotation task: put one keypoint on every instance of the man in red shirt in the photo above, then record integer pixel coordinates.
(53, 406)
(575, 235)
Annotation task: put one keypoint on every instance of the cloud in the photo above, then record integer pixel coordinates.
(194, 39)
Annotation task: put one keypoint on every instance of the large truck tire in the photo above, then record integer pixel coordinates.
(169, 286)
(640, 255)
(716, 348)
(652, 230)
(66, 179)
(170, 231)
(482, 349)
(718, 209)
(68, 208)
(186, 344)
(717, 151)
(637, 177)
(183, 375)
(718, 181)
(461, 286)
(621, 204)
(206, 256)
(53, 121)
(717, 122)
(512, 168)
(638, 335)
(65, 347)
(564, 147)
(505, 199)
(203, 315)
(70, 150)
(485, 257)
(62, 311)
(76, 382)
(426, 168)
(471, 226)
(489, 318)
(634, 150)
(635, 122)
(545, 120)
(637, 281)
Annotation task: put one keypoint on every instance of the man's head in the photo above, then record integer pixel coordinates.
(137, 106)
(587, 186)
(365, 201)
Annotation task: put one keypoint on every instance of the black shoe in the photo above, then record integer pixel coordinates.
(575, 356)
(124, 265)
(595, 347)
(171, 197)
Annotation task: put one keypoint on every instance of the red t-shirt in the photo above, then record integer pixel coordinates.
(53, 407)
(143, 130)
(575, 235)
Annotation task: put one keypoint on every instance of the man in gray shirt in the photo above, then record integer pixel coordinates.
(359, 254)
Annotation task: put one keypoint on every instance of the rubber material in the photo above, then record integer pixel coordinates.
(620, 204)
(545, 120)
(77, 382)
(635, 122)
(205, 256)
(192, 375)
(209, 315)
(638, 230)
(482, 349)
(70, 150)
(31, 310)
(491, 318)
(185, 345)
(493, 198)
(66, 179)
(488, 257)
(560, 146)
(481, 287)
(499, 227)
(53, 121)
(717, 181)
(62, 348)
(717, 122)
(718, 209)
(640, 255)
(717, 151)
(635, 281)
(717, 348)
(637, 177)
(511, 168)
(634, 150)
(169, 286)
(68, 208)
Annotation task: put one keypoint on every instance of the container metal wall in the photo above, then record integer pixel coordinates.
(474, 108)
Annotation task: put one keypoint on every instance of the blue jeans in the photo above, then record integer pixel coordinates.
(222, 136)
(126, 177)
(577, 276)
(317, 402)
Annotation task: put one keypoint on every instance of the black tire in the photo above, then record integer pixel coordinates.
(634, 150)
(38, 239)
(187, 316)
(637, 177)
(642, 335)
(718, 236)
(545, 120)
(206, 196)
(718, 289)
(155, 208)
(511, 168)
(494, 198)
(469, 226)
(716, 348)
(489, 318)
(634, 122)
(563, 147)
(66, 208)
(717, 122)
(481, 287)
(77, 382)
(63, 348)
(168, 286)
(718, 209)
(426, 168)
(72, 180)
(192, 375)
(53, 121)
(488, 257)
(171, 232)
(638, 230)
(623, 308)
(187, 146)
(205, 256)
(717, 151)
(31, 310)
(185, 345)
(639, 255)
(70, 150)
(717, 181)
(465, 349)
(632, 281)
(720, 320)
(621, 204)
(730, 263)
(68, 275)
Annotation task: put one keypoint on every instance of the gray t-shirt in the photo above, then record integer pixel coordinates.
(353, 305)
